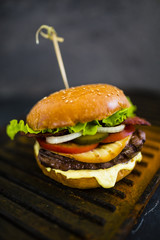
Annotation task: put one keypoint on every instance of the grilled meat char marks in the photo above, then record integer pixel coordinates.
(57, 161)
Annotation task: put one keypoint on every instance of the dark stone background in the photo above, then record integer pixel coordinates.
(115, 42)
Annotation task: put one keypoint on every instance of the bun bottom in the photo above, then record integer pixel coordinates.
(81, 183)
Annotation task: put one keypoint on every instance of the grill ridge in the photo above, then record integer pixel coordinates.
(116, 192)
(96, 212)
(82, 194)
(83, 213)
(93, 218)
(32, 233)
(87, 197)
(20, 230)
(147, 154)
(136, 172)
(14, 230)
(150, 188)
(41, 213)
(108, 206)
(16, 217)
(154, 138)
(147, 145)
(128, 182)
(142, 163)
(94, 199)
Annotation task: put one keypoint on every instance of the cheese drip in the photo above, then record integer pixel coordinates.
(105, 177)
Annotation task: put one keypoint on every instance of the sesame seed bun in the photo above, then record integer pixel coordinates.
(80, 104)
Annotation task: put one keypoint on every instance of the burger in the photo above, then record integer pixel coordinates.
(85, 136)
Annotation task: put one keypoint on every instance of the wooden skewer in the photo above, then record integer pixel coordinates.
(52, 35)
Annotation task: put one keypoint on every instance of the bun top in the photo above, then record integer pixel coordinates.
(78, 104)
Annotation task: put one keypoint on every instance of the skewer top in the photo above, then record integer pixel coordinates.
(52, 35)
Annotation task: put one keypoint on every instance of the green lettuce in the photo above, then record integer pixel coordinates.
(131, 109)
(119, 116)
(14, 127)
(116, 118)
(88, 128)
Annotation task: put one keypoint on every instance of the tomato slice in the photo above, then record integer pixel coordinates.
(66, 147)
(113, 137)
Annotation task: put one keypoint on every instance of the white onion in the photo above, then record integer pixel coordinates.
(111, 129)
(64, 138)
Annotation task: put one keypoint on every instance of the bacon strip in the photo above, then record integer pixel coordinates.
(136, 121)
(128, 121)
(44, 134)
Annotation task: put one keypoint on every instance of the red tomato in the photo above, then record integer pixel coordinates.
(66, 147)
(113, 137)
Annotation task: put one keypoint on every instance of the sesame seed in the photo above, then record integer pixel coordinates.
(66, 101)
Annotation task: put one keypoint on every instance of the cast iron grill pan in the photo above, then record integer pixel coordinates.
(32, 206)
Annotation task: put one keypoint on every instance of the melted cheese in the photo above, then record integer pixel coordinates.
(105, 177)
(103, 153)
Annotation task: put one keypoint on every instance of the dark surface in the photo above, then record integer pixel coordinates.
(34, 206)
(114, 42)
(148, 225)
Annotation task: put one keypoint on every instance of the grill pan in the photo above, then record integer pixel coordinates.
(33, 206)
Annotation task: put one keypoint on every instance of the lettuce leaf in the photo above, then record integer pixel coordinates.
(14, 127)
(120, 116)
(116, 118)
(88, 128)
(131, 109)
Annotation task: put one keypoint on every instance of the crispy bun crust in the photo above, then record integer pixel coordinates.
(80, 104)
(82, 183)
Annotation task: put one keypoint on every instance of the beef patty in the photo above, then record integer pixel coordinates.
(57, 161)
